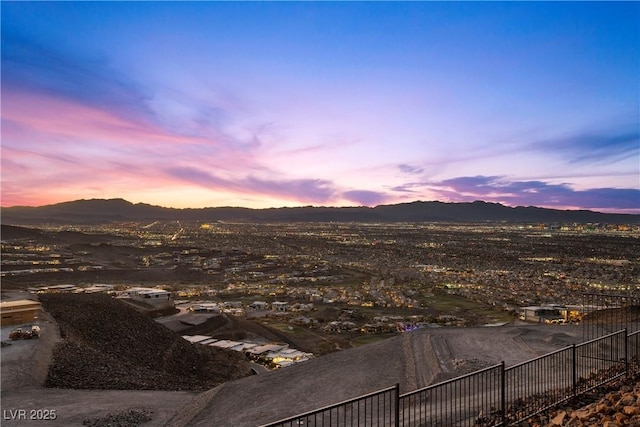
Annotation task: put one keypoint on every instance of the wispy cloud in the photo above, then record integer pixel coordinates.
(74, 93)
(601, 147)
(34, 66)
(304, 190)
(410, 169)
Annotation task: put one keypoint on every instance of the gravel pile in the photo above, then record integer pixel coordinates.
(109, 345)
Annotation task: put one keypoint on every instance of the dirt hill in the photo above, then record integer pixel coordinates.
(109, 345)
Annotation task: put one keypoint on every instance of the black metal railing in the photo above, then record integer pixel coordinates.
(376, 409)
(539, 384)
(534, 386)
(633, 346)
(463, 400)
(494, 396)
(606, 313)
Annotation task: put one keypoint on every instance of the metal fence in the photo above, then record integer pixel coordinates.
(377, 409)
(606, 313)
(633, 346)
(494, 396)
(463, 400)
(539, 384)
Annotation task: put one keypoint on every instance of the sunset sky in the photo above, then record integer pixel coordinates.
(270, 104)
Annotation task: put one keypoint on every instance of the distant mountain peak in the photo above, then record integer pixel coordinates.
(117, 209)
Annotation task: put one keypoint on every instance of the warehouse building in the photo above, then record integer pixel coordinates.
(19, 311)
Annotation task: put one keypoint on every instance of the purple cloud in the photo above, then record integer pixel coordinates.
(535, 193)
(499, 189)
(410, 169)
(305, 190)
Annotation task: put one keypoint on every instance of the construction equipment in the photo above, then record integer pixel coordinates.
(21, 334)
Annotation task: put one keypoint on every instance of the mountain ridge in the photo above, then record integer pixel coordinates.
(88, 211)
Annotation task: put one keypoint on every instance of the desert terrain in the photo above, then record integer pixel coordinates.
(413, 360)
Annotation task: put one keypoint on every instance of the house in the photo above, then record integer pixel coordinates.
(264, 349)
(286, 357)
(232, 304)
(258, 305)
(552, 313)
(159, 298)
(209, 307)
(97, 288)
(225, 344)
(18, 312)
(280, 305)
(146, 293)
(54, 289)
(156, 294)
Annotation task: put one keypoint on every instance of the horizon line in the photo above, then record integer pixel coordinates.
(322, 206)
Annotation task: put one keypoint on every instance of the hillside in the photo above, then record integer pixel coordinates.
(413, 360)
(109, 345)
(114, 210)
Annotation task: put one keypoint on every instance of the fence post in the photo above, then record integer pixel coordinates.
(503, 394)
(626, 353)
(397, 414)
(574, 365)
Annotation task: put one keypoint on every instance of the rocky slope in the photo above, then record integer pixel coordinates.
(109, 345)
(616, 404)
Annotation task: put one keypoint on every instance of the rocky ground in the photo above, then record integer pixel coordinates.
(122, 419)
(616, 404)
(109, 345)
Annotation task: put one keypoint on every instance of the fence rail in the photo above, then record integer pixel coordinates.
(605, 313)
(378, 409)
(459, 401)
(494, 396)
(539, 384)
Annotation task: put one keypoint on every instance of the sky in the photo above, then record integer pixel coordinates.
(273, 104)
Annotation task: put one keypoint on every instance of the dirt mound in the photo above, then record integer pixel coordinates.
(109, 345)
(559, 338)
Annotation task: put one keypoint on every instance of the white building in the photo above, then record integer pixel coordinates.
(159, 298)
(146, 293)
(544, 314)
(205, 308)
(280, 305)
(258, 305)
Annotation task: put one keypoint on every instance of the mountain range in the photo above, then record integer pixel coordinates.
(115, 210)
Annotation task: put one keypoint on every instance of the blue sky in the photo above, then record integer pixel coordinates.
(267, 104)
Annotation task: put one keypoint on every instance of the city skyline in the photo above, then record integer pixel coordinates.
(273, 104)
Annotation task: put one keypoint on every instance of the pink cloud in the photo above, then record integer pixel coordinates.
(60, 119)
